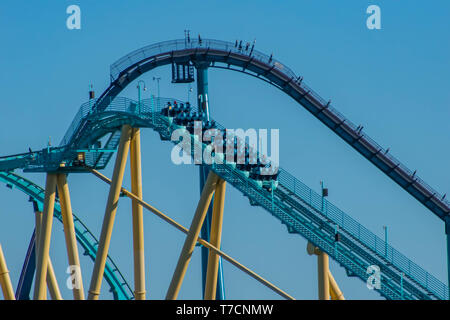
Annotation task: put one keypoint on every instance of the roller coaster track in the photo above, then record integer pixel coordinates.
(117, 283)
(297, 206)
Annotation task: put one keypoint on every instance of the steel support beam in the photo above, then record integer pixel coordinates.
(5, 281)
(37, 227)
(201, 241)
(44, 238)
(326, 284)
(29, 266)
(215, 240)
(26, 276)
(192, 236)
(203, 105)
(202, 88)
(138, 220)
(110, 213)
(322, 271)
(69, 233)
(51, 281)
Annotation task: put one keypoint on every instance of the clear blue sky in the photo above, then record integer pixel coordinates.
(394, 81)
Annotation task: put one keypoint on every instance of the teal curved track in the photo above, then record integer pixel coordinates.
(117, 283)
(293, 203)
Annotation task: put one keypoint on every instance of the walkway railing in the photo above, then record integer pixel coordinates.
(362, 234)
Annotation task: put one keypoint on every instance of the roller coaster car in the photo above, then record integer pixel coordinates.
(208, 125)
(181, 119)
(263, 177)
(270, 185)
(165, 111)
(184, 116)
(172, 110)
(169, 111)
(260, 174)
(196, 116)
(191, 117)
(176, 113)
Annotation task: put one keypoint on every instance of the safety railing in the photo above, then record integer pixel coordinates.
(314, 199)
(82, 112)
(341, 219)
(121, 104)
(182, 44)
(365, 236)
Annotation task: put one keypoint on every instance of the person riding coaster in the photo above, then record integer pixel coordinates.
(183, 116)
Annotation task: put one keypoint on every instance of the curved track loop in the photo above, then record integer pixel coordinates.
(117, 283)
(225, 54)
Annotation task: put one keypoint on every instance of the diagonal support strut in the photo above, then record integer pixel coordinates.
(200, 240)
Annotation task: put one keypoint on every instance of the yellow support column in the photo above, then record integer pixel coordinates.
(324, 282)
(38, 221)
(215, 239)
(178, 226)
(192, 236)
(44, 238)
(5, 281)
(138, 220)
(110, 213)
(323, 271)
(52, 284)
(69, 233)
